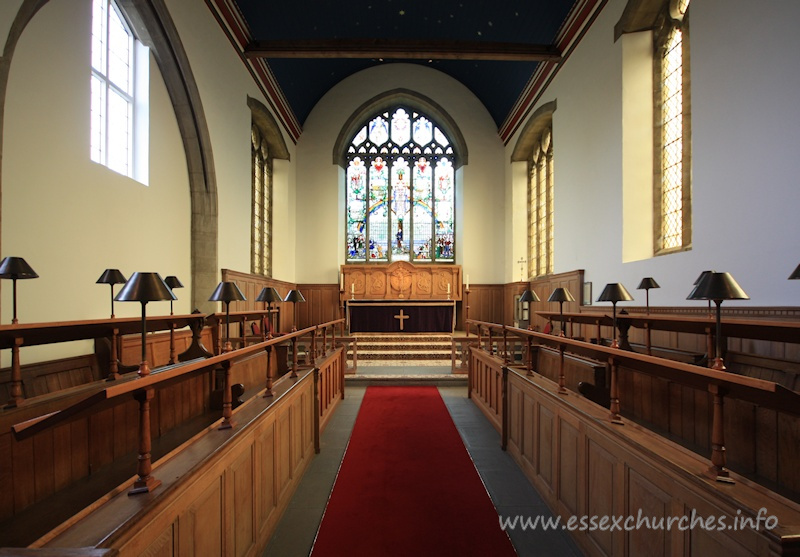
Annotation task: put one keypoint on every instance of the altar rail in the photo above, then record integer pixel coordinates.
(53, 442)
(587, 461)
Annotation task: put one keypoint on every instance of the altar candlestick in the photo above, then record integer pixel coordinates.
(467, 282)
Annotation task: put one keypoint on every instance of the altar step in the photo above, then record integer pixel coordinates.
(403, 350)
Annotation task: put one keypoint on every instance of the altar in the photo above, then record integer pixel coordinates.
(395, 316)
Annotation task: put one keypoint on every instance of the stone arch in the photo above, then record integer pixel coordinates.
(269, 127)
(541, 119)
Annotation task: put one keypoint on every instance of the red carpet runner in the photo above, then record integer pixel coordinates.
(407, 485)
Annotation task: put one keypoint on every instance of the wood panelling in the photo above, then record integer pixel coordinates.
(401, 280)
(627, 472)
(543, 287)
(486, 303)
(224, 491)
(321, 306)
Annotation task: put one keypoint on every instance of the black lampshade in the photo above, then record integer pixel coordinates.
(111, 276)
(796, 274)
(227, 291)
(718, 286)
(145, 287)
(16, 268)
(173, 282)
(614, 292)
(294, 296)
(703, 275)
(529, 296)
(561, 295)
(647, 283)
(269, 294)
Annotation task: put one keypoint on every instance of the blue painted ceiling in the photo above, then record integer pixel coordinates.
(497, 83)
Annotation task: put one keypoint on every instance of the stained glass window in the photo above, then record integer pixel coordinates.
(261, 219)
(400, 185)
(540, 207)
(673, 188)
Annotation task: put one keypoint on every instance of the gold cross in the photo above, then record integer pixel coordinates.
(401, 317)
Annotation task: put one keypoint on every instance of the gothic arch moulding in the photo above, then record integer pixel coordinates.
(407, 98)
(541, 119)
(269, 127)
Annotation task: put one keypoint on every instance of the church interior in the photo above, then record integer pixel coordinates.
(558, 234)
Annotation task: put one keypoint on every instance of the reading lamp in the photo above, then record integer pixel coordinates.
(527, 296)
(696, 282)
(173, 282)
(227, 292)
(561, 295)
(268, 295)
(16, 268)
(614, 292)
(111, 277)
(144, 287)
(646, 284)
(294, 296)
(718, 287)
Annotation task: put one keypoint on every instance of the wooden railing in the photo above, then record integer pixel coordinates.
(720, 384)
(585, 459)
(98, 402)
(19, 336)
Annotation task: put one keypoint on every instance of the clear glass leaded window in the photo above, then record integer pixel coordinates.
(540, 208)
(400, 190)
(674, 122)
(112, 89)
(261, 222)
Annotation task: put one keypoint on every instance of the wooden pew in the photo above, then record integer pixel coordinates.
(101, 428)
(588, 460)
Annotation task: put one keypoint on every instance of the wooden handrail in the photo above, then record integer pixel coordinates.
(34, 334)
(756, 329)
(719, 384)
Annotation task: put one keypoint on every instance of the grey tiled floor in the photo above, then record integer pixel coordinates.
(509, 489)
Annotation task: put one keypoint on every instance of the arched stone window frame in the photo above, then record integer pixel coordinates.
(535, 147)
(266, 144)
(388, 100)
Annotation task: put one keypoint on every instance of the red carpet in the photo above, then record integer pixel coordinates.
(407, 485)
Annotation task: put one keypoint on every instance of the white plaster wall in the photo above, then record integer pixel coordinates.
(480, 204)
(746, 133)
(67, 216)
(71, 218)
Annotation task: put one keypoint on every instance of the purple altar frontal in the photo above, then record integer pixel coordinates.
(406, 316)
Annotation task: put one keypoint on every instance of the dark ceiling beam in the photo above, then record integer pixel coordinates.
(402, 49)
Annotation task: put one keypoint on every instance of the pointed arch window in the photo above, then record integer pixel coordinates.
(400, 190)
(261, 218)
(540, 206)
(673, 149)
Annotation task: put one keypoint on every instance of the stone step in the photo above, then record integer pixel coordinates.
(372, 347)
(414, 355)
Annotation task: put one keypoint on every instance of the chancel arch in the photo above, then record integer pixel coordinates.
(400, 152)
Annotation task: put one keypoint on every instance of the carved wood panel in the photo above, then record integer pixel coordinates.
(401, 280)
